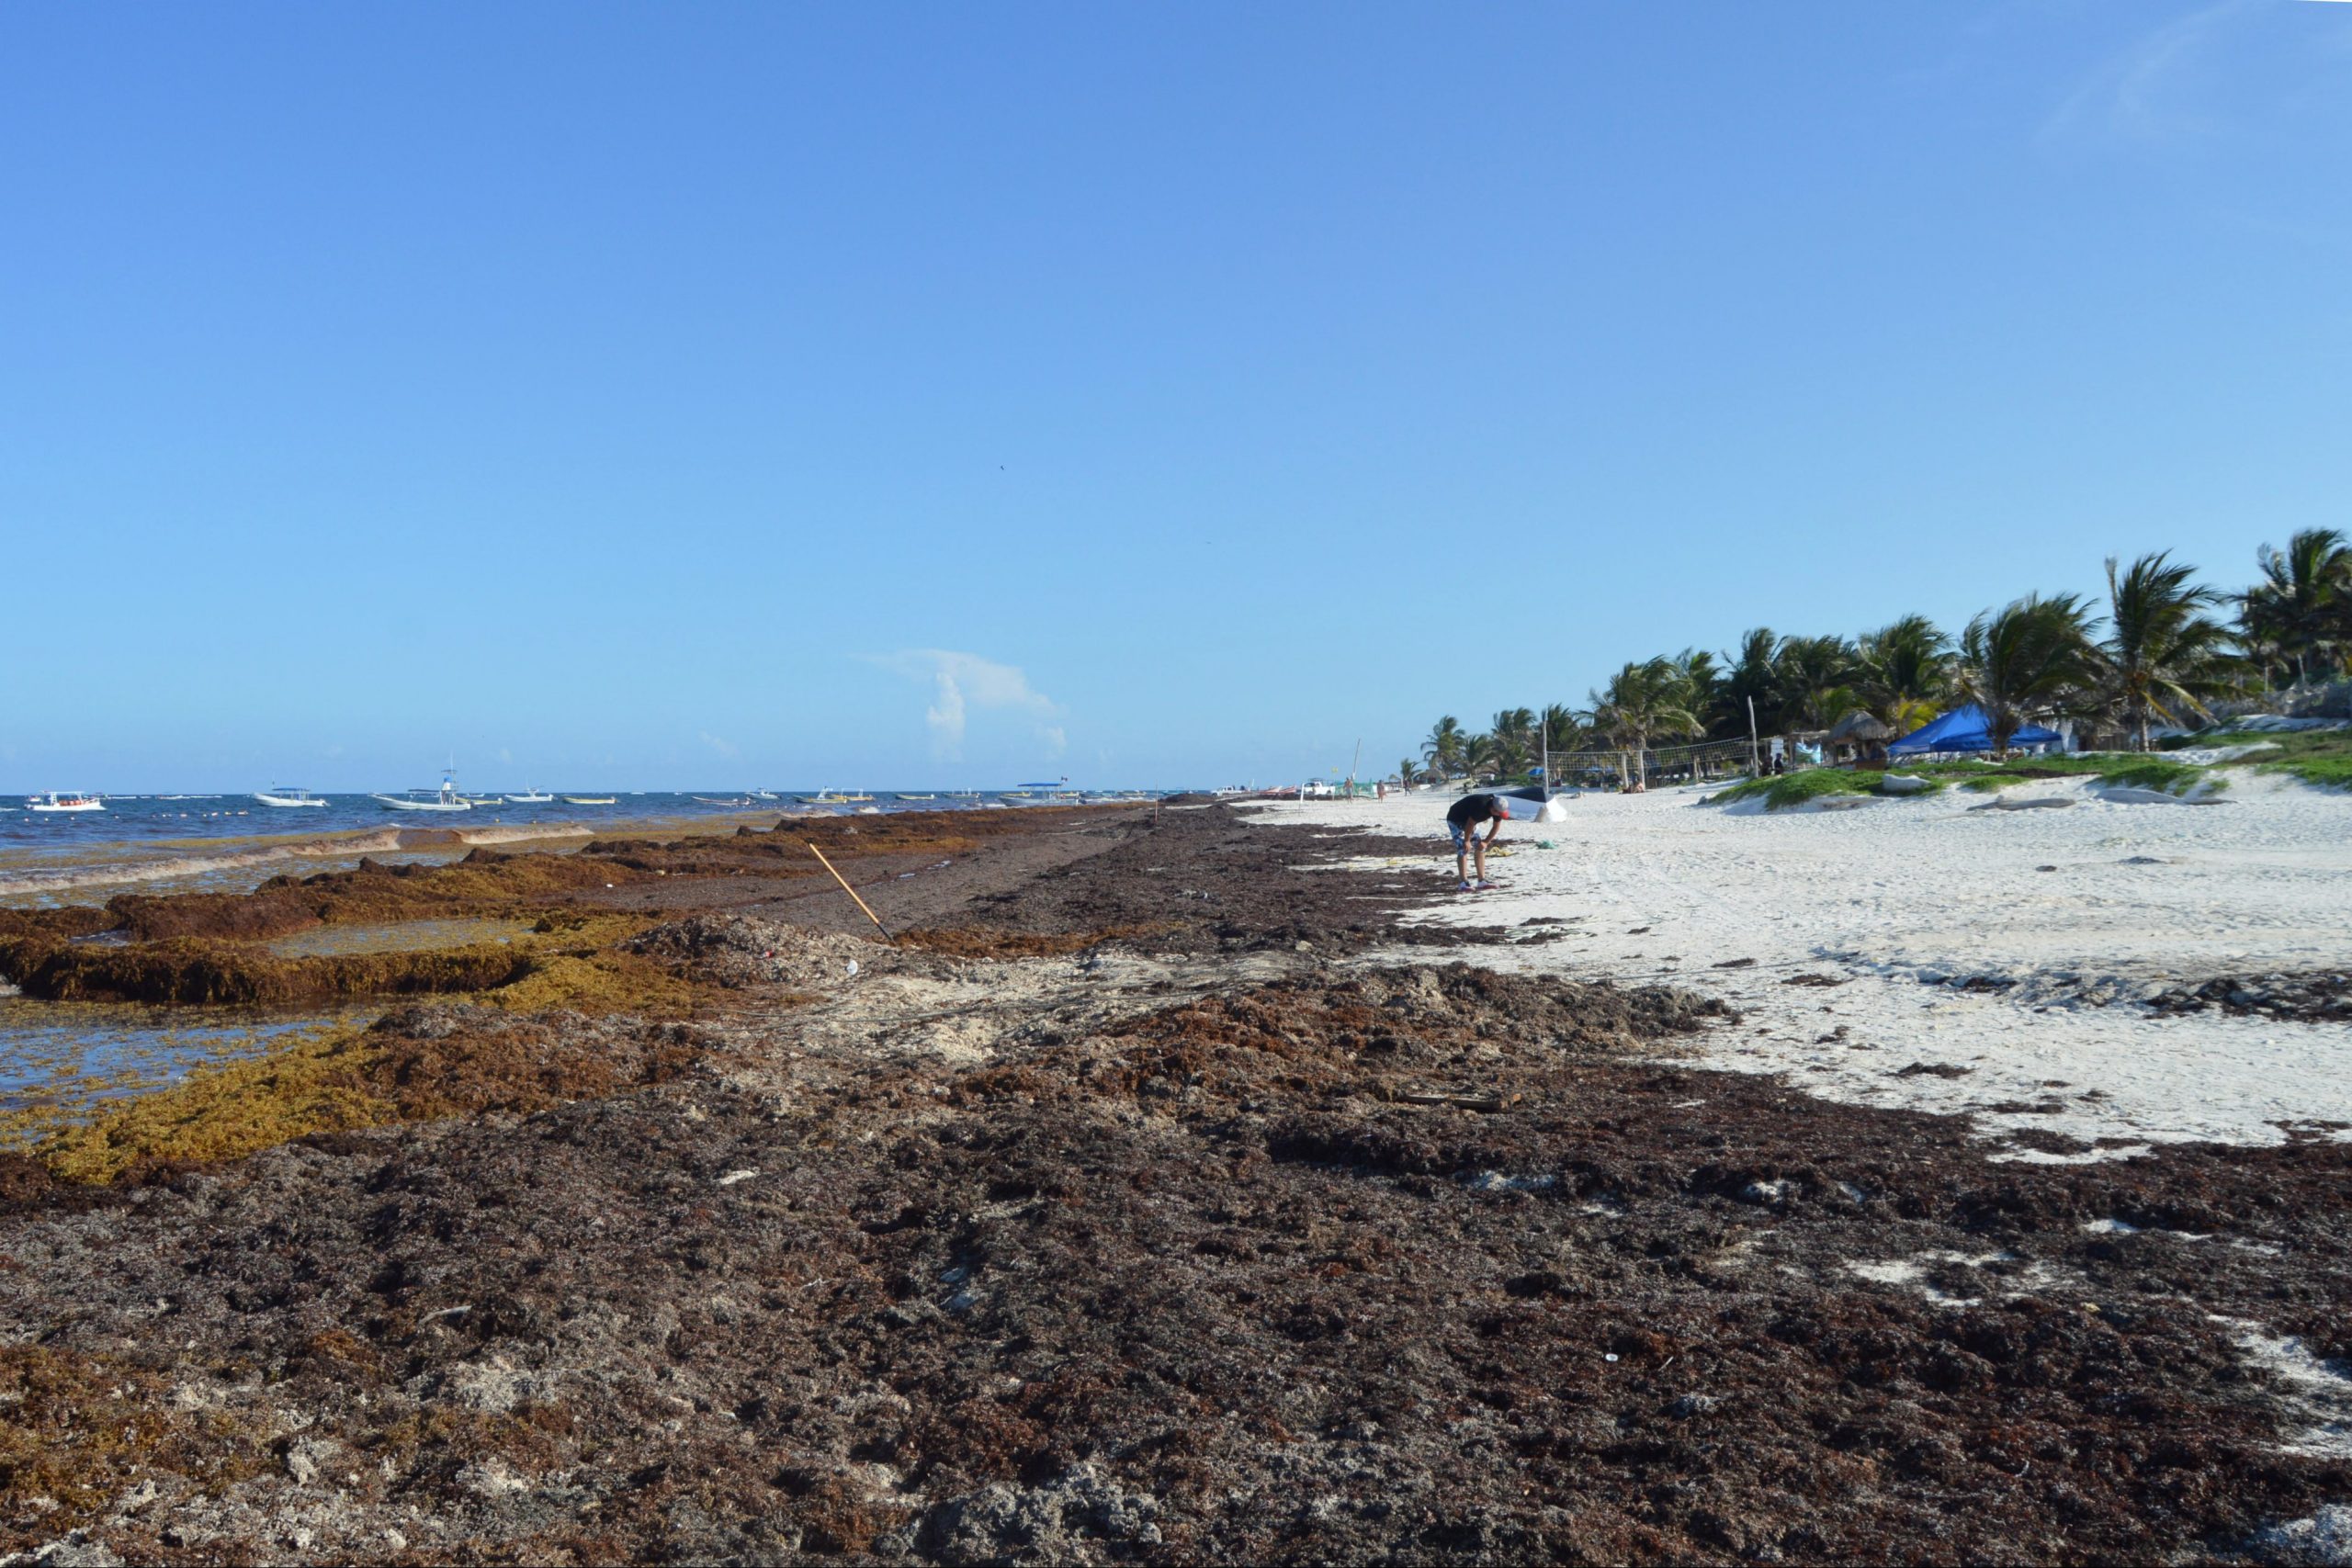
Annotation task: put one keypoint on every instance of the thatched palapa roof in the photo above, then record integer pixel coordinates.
(1858, 727)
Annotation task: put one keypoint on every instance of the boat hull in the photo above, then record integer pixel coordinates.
(390, 803)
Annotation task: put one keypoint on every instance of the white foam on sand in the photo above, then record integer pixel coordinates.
(2011, 945)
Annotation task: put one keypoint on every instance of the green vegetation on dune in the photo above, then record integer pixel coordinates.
(2149, 772)
(1785, 790)
(2107, 767)
(2322, 757)
(2328, 773)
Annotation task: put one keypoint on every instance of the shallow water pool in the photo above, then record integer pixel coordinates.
(62, 1059)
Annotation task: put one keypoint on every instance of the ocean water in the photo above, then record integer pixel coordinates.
(225, 843)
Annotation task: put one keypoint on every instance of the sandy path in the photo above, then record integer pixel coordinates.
(2078, 910)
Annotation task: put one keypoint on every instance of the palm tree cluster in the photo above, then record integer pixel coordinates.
(2161, 650)
(2300, 613)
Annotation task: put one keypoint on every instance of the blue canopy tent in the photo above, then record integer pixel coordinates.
(1966, 730)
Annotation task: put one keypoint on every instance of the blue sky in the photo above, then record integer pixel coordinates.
(638, 396)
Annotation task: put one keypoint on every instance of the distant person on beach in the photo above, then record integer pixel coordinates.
(1461, 821)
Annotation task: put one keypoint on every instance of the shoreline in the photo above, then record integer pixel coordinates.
(208, 860)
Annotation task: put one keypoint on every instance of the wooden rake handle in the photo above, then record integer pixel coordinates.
(853, 893)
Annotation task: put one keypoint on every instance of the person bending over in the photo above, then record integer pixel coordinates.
(1461, 821)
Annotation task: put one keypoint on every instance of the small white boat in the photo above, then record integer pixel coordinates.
(918, 797)
(53, 801)
(590, 799)
(278, 794)
(426, 803)
(447, 799)
(764, 795)
(531, 797)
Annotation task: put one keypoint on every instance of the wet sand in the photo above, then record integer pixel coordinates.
(1227, 1208)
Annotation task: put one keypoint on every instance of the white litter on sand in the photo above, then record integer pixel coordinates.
(1999, 955)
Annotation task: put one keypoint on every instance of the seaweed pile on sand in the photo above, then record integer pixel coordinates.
(1181, 1244)
(1217, 1278)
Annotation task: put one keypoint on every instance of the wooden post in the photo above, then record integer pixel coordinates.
(853, 893)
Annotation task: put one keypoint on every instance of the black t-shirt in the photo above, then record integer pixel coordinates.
(1471, 810)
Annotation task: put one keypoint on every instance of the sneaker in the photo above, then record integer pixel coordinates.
(1485, 887)
(1462, 888)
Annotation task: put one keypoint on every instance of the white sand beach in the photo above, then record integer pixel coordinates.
(2061, 918)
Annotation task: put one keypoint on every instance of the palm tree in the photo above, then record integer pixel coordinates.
(1559, 729)
(2303, 603)
(2164, 654)
(2033, 657)
(1905, 669)
(1701, 679)
(1445, 750)
(1752, 675)
(1644, 700)
(1409, 773)
(1509, 745)
(2259, 648)
(1811, 672)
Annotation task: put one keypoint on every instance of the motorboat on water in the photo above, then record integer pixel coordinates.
(832, 797)
(918, 797)
(531, 797)
(591, 800)
(51, 801)
(281, 795)
(763, 795)
(447, 799)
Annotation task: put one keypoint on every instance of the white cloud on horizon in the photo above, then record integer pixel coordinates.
(961, 683)
(721, 744)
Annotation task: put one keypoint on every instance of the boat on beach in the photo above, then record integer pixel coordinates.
(53, 801)
(283, 796)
